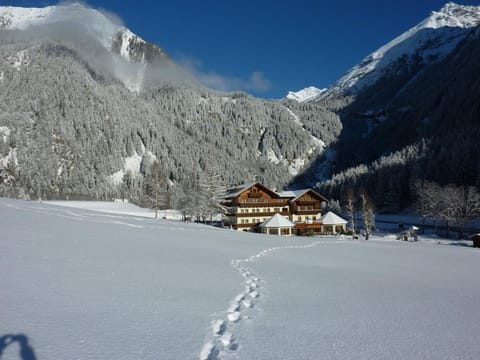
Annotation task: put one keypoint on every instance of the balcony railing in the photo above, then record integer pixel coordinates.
(259, 214)
(261, 204)
(307, 202)
(307, 212)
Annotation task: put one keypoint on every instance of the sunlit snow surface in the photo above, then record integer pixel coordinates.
(306, 94)
(81, 284)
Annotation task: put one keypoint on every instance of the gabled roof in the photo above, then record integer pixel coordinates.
(292, 193)
(277, 221)
(331, 218)
(295, 194)
(235, 191)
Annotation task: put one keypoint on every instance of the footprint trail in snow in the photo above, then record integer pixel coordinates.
(222, 341)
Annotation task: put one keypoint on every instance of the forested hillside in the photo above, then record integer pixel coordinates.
(87, 109)
(428, 130)
(73, 127)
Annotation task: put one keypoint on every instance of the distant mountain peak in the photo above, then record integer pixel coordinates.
(432, 39)
(454, 15)
(309, 93)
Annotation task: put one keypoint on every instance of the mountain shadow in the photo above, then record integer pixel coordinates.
(416, 106)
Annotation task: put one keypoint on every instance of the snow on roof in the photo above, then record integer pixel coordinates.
(331, 218)
(292, 193)
(295, 194)
(240, 188)
(277, 221)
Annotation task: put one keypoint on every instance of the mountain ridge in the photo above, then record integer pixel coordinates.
(125, 104)
(455, 19)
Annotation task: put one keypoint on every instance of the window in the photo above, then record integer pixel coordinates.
(276, 209)
(299, 218)
(285, 209)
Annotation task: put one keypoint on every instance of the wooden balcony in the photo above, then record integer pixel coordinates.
(307, 212)
(258, 214)
(306, 202)
(261, 204)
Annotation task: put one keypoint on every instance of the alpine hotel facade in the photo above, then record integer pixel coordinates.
(249, 205)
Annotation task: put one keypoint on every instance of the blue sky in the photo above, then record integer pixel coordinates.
(267, 47)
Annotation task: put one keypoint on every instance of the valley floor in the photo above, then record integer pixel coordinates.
(78, 284)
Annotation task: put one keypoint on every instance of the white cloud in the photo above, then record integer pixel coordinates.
(255, 82)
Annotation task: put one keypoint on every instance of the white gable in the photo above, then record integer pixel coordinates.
(277, 221)
(331, 218)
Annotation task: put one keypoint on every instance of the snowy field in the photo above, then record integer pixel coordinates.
(119, 208)
(82, 284)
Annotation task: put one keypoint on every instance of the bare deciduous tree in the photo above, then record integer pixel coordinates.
(368, 214)
(453, 205)
(156, 189)
(465, 206)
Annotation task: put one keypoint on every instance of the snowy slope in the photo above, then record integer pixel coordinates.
(432, 39)
(97, 24)
(84, 285)
(107, 30)
(306, 94)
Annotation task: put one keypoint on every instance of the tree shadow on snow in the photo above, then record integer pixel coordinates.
(26, 351)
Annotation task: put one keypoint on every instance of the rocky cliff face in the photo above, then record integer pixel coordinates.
(135, 49)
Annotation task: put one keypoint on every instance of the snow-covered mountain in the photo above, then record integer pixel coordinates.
(106, 29)
(306, 94)
(410, 111)
(105, 105)
(430, 41)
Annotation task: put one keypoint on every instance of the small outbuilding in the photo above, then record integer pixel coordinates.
(476, 240)
(333, 224)
(277, 225)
